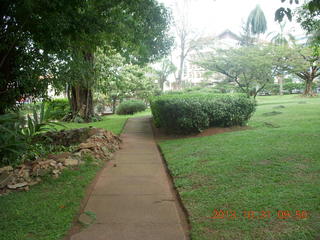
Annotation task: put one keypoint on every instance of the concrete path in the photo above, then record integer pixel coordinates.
(132, 198)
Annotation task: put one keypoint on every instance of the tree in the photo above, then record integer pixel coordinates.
(165, 68)
(118, 79)
(31, 37)
(309, 21)
(281, 38)
(64, 31)
(256, 22)
(186, 38)
(312, 6)
(304, 62)
(140, 36)
(250, 67)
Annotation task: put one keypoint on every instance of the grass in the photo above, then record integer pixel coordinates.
(274, 166)
(46, 211)
(114, 123)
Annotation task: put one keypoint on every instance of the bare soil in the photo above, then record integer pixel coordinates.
(160, 134)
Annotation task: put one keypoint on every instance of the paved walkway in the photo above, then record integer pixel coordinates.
(133, 199)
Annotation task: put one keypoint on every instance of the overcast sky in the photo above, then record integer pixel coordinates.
(211, 17)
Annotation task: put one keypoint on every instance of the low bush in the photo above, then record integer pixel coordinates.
(58, 108)
(131, 107)
(187, 113)
(12, 141)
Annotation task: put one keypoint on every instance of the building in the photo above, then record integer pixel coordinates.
(194, 74)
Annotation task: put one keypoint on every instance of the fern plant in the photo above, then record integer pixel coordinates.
(12, 141)
(38, 122)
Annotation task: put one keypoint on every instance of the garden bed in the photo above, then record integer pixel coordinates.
(92, 143)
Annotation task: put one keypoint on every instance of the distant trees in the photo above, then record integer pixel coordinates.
(250, 67)
(118, 79)
(163, 70)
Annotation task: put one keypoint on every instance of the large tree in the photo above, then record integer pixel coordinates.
(186, 38)
(250, 67)
(304, 62)
(71, 30)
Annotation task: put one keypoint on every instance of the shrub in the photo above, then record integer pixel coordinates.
(57, 109)
(187, 113)
(131, 107)
(12, 142)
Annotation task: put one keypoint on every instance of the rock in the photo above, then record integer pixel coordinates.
(63, 155)
(5, 178)
(33, 183)
(18, 185)
(6, 169)
(85, 152)
(59, 165)
(40, 172)
(53, 163)
(26, 175)
(86, 145)
(71, 162)
(56, 172)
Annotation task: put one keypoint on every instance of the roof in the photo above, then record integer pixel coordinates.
(228, 34)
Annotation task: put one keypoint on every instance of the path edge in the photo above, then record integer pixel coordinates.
(181, 209)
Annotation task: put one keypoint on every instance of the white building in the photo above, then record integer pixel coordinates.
(192, 73)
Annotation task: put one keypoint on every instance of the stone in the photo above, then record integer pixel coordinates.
(26, 175)
(33, 183)
(53, 163)
(41, 172)
(59, 157)
(86, 145)
(6, 169)
(5, 178)
(71, 162)
(18, 185)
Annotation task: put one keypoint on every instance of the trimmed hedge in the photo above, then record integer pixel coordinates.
(131, 107)
(188, 113)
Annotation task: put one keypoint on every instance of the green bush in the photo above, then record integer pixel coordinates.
(58, 108)
(131, 107)
(187, 113)
(12, 142)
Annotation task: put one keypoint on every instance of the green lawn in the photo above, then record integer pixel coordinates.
(275, 166)
(46, 212)
(114, 123)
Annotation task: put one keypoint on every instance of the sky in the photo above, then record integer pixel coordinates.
(211, 17)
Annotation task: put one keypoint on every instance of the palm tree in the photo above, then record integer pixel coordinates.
(281, 38)
(257, 22)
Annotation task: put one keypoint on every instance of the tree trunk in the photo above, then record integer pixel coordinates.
(82, 102)
(161, 84)
(114, 102)
(308, 88)
(280, 81)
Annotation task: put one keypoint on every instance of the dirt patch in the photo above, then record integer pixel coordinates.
(160, 134)
(280, 106)
(273, 113)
